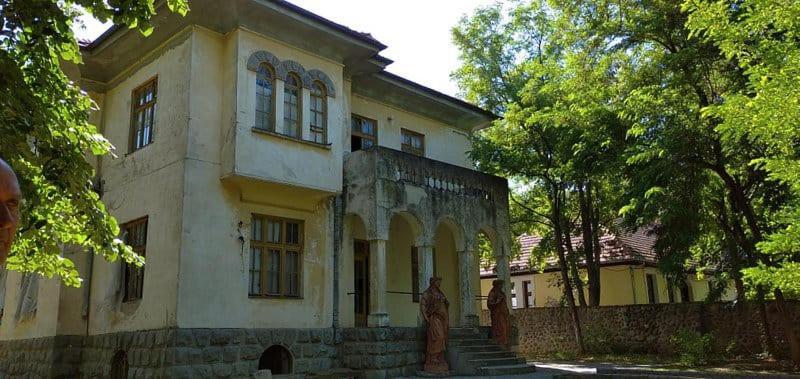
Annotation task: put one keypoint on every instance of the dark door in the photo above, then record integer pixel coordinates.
(361, 280)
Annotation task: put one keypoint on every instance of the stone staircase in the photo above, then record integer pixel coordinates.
(470, 351)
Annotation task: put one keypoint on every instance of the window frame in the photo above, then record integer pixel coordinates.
(408, 148)
(528, 299)
(651, 288)
(323, 99)
(136, 109)
(298, 123)
(129, 269)
(285, 248)
(271, 113)
(360, 134)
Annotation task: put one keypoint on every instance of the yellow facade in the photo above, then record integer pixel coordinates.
(619, 285)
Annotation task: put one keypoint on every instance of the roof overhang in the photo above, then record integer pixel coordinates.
(110, 54)
(405, 94)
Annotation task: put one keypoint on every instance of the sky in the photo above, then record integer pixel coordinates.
(417, 33)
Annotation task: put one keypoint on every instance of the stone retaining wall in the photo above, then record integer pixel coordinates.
(383, 352)
(647, 328)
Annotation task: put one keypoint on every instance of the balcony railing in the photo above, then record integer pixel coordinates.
(432, 174)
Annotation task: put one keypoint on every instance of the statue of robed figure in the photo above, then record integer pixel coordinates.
(501, 325)
(434, 307)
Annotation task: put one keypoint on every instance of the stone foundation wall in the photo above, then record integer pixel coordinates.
(647, 328)
(383, 352)
(172, 353)
(45, 357)
(205, 353)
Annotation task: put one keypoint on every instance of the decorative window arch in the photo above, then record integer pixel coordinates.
(292, 105)
(265, 97)
(319, 112)
(317, 75)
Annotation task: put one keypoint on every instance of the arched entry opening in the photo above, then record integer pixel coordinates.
(402, 273)
(119, 365)
(448, 241)
(277, 359)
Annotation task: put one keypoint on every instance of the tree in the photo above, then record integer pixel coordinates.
(556, 135)
(45, 134)
(762, 38)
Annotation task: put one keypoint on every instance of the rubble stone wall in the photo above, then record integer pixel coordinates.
(648, 328)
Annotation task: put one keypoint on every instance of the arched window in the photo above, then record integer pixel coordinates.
(276, 359)
(291, 106)
(265, 106)
(319, 113)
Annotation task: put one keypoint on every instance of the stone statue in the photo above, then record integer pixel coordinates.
(434, 307)
(501, 326)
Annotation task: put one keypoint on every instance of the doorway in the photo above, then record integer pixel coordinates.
(361, 281)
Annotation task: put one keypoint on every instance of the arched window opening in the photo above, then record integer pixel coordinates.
(119, 365)
(291, 106)
(265, 107)
(276, 359)
(319, 113)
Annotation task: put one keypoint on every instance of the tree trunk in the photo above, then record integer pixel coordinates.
(788, 327)
(562, 260)
(572, 259)
(592, 265)
(767, 341)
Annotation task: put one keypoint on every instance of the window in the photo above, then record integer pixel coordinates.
(414, 274)
(265, 106)
(319, 113)
(291, 106)
(527, 289)
(686, 293)
(135, 235)
(364, 133)
(652, 297)
(413, 142)
(276, 246)
(513, 296)
(143, 115)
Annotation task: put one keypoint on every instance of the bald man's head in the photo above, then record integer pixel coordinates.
(10, 198)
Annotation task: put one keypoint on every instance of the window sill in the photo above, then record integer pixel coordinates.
(326, 146)
(287, 297)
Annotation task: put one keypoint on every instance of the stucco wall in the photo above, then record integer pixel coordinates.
(618, 285)
(442, 142)
(269, 157)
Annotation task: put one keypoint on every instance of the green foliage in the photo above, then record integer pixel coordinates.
(693, 348)
(45, 134)
(762, 38)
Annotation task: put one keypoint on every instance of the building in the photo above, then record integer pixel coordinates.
(629, 274)
(287, 193)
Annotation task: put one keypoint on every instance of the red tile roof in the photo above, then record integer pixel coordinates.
(617, 248)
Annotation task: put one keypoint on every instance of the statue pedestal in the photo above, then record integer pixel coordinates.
(426, 374)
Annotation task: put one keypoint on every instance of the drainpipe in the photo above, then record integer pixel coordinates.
(338, 219)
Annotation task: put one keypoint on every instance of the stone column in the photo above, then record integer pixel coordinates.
(504, 274)
(466, 269)
(425, 268)
(378, 313)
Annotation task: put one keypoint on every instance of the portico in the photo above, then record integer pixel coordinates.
(420, 218)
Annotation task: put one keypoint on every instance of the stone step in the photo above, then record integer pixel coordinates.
(480, 348)
(478, 355)
(468, 333)
(470, 342)
(516, 369)
(493, 362)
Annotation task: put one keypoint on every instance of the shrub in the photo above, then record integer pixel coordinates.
(694, 348)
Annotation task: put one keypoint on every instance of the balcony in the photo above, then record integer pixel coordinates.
(400, 204)
(380, 182)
